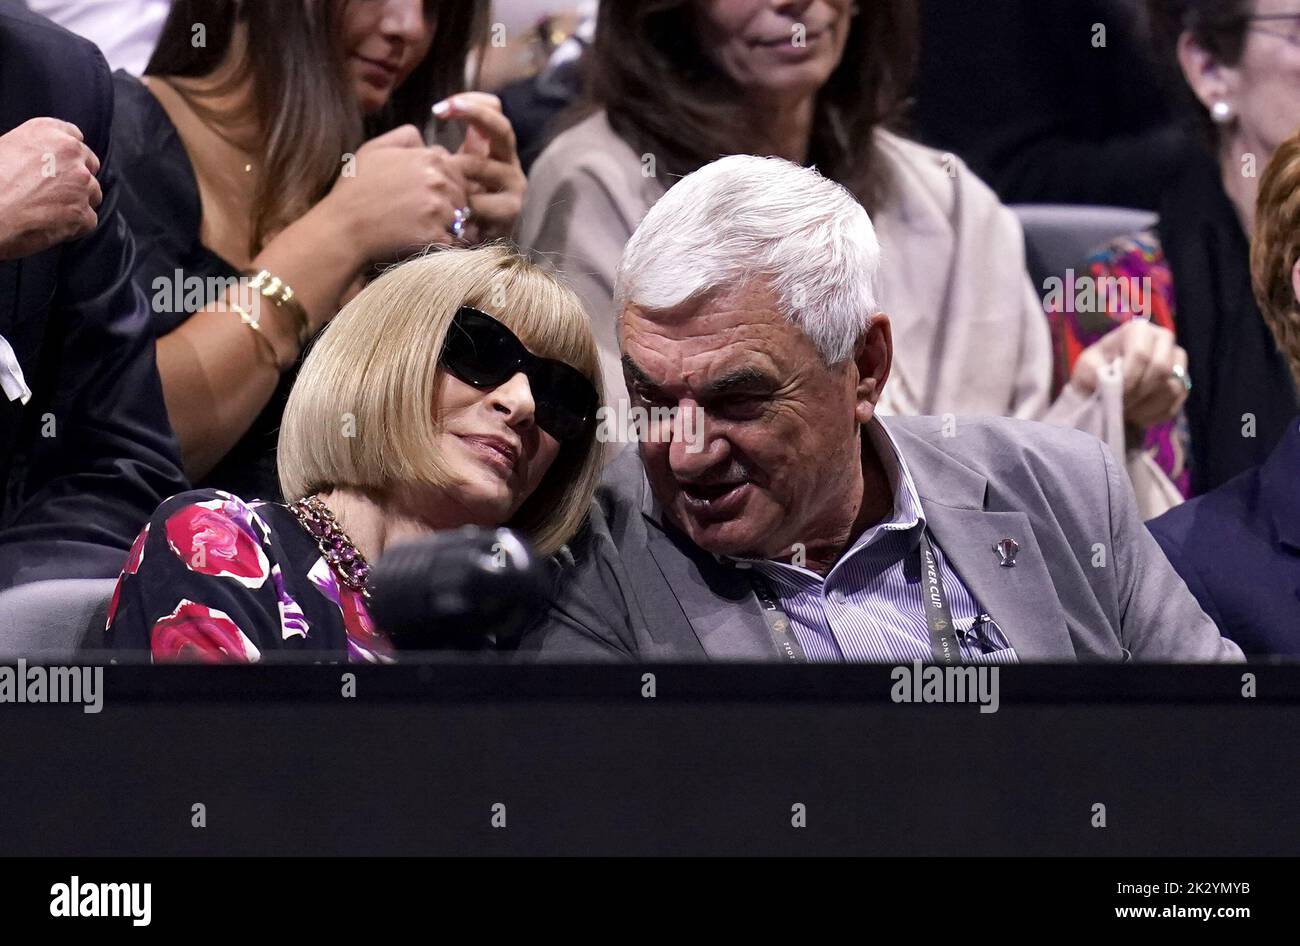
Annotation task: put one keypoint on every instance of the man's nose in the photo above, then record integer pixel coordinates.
(691, 452)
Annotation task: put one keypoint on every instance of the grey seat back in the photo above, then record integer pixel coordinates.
(1060, 236)
(50, 619)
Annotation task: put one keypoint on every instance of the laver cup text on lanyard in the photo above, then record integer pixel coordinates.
(938, 614)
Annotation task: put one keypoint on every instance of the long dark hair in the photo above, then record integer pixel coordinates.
(304, 104)
(664, 95)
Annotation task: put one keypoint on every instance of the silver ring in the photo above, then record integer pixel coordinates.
(1180, 373)
(458, 221)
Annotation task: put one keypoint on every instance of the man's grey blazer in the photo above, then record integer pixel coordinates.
(1089, 582)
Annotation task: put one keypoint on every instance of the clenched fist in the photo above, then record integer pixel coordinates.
(48, 189)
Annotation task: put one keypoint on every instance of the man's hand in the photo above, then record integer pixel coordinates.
(48, 189)
(1152, 391)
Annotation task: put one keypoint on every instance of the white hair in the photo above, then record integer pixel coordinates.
(744, 217)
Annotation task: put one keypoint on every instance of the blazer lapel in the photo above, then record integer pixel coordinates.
(1020, 598)
(1280, 491)
(717, 601)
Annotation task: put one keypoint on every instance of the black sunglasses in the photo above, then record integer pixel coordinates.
(481, 351)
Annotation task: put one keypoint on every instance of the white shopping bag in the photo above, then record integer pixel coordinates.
(1102, 415)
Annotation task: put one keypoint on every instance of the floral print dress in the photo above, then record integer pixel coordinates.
(1138, 260)
(214, 578)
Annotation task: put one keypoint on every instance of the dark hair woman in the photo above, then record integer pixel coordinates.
(279, 141)
(1237, 63)
(676, 84)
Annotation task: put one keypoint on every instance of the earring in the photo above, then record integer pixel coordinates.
(1222, 112)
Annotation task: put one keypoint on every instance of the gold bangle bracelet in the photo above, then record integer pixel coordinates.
(256, 326)
(279, 292)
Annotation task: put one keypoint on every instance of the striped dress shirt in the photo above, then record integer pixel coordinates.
(870, 606)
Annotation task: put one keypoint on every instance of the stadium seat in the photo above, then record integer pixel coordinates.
(50, 619)
(1060, 236)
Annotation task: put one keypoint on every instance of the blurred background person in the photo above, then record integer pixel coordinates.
(1238, 547)
(1050, 101)
(85, 448)
(1240, 65)
(287, 149)
(558, 45)
(456, 423)
(674, 84)
(525, 33)
(125, 31)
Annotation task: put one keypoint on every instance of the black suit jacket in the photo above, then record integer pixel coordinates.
(1239, 378)
(1238, 549)
(86, 461)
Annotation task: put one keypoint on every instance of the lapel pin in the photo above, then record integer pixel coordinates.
(1007, 549)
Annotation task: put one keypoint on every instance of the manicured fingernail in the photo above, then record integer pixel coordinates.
(442, 108)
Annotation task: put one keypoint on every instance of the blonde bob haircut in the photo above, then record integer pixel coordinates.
(363, 412)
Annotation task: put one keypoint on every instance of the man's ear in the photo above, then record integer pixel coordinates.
(873, 355)
(1208, 78)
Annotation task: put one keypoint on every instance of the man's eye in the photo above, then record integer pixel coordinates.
(747, 406)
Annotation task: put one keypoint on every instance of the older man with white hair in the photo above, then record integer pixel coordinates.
(789, 522)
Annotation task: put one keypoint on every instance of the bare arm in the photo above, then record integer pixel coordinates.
(217, 375)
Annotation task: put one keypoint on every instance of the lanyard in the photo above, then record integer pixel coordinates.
(938, 613)
(778, 624)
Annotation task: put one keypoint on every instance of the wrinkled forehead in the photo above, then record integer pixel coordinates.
(721, 335)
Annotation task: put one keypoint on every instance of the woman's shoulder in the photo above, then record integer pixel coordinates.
(925, 182)
(215, 534)
(142, 130)
(593, 150)
(216, 576)
(587, 186)
(591, 141)
(210, 511)
(152, 166)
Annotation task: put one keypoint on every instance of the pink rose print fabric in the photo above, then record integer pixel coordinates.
(196, 632)
(364, 642)
(213, 578)
(133, 560)
(218, 538)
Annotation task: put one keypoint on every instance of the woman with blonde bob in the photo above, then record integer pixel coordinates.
(457, 389)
